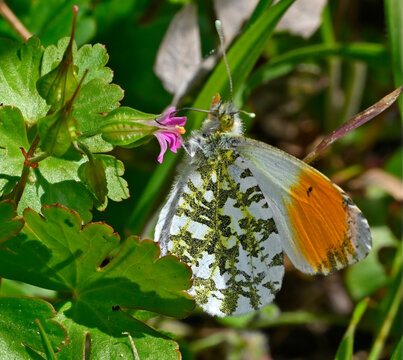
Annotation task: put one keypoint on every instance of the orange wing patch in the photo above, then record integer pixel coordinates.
(320, 222)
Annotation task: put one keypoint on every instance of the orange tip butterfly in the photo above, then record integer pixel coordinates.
(239, 203)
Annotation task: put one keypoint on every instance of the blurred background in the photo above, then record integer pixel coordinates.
(327, 61)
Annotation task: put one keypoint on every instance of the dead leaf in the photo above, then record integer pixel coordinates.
(383, 180)
(179, 56)
(302, 18)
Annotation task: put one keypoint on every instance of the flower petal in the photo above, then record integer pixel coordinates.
(166, 115)
(173, 140)
(163, 144)
(180, 121)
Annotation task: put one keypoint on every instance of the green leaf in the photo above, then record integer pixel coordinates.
(92, 174)
(117, 186)
(18, 329)
(56, 179)
(363, 278)
(125, 126)
(10, 223)
(55, 252)
(96, 97)
(345, 350)
(241, 58)
(19, 71)
(12, 137)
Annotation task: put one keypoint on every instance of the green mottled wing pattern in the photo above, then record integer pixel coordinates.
(217, 220)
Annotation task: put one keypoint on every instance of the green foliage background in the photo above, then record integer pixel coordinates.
(300, 89)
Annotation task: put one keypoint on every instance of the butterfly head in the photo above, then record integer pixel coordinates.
(223, 118)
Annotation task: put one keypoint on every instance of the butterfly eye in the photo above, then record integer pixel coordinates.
(226, 122)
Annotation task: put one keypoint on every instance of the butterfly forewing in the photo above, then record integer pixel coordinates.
(321, 230)
(218, 221)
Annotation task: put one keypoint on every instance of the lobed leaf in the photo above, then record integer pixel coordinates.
(56, 179)
(55, 252)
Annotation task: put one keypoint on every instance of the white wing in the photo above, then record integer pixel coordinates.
(218, 222)
(321, 230)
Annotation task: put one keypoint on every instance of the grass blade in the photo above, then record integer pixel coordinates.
(345, 350)
(394, 20)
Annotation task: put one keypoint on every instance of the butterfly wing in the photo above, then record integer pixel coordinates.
(218, 222)
(321, 229)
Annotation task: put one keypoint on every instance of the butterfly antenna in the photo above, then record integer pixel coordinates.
(192, 109)
(218, 26)
(250, 114)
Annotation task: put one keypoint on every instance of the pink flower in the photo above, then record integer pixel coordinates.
(170, 129)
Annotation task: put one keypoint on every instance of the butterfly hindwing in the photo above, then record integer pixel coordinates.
(321, 229)
(217, 220)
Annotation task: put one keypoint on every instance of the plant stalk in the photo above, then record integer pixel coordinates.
(15, 23)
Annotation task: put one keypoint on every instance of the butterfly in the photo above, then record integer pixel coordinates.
(238, 203)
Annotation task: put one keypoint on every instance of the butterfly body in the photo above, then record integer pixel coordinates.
(239, 203)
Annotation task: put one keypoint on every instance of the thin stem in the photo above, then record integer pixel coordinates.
(84, 148)
(16, 24)
(19, 189)
(391, 314)
(21, 184)
(38, 158)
